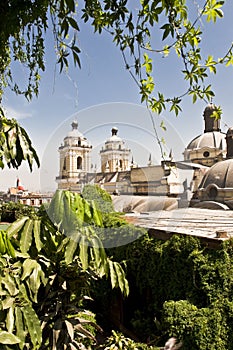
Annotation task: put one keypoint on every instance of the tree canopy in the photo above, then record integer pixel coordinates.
(141, 30)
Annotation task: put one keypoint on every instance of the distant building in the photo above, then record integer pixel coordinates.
(25, 197)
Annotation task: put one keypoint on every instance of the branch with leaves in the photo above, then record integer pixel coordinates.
(15, 144)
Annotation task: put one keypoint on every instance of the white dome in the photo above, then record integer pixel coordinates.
(75, 137)
(114, 138)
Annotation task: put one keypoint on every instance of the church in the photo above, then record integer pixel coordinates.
(120, 175)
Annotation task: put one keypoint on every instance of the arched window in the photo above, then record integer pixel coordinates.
(64, 164)
(79, 163)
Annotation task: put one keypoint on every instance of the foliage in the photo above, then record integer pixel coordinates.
(101, 197)
(117, 341)
(178, 288)
(200, 328)
(22, 34)
(15, 144)
(45, 274)
(11, 211)
(115, 230)
(171, 24)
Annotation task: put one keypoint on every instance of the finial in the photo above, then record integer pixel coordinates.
(149, 160)
(170, 155)
(114, 131)
(74, 124)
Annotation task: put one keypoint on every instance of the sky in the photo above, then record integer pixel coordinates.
(102, 94)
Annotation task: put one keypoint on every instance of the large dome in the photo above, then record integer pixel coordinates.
(211, 139)
(210, 146)
(220, 174)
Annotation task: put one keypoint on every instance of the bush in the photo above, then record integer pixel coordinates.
(11, 211)
(178, 288)
(100, 196)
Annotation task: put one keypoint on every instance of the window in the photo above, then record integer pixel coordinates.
(213, 192)
(64, 164)
(206, 154)
(79, 163)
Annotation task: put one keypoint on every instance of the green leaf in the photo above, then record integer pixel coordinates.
(33, 325)
(2, 243)
(213, 10)
(26, 236)
(36, 231)
(113, 276)
(17, 225)
(96, 214)
(7, 303)
(56, 208)
(122, 281)
(73, 23)
(70, 329)
(10, 285)
(20, 332)
(71, 247)
(163, 126)
(9, 247)
(10, 319)
(71, 5)
(34, 276)
(83, 253)
(8, 338)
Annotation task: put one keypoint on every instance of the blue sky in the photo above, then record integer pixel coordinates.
(103, 94)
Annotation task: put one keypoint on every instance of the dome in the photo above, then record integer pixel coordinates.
(75, 137)
(229, 132)
(209, 147)
(114, 137)
(74, 132)
(220, 175)
(213, 139)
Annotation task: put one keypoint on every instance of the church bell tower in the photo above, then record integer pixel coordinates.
(75, 160)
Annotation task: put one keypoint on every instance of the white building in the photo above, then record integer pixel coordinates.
(75, 161)
(114, 154)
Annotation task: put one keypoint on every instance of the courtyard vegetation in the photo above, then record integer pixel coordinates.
(62, 289)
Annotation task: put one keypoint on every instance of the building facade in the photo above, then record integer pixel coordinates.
(74, 159)
(114, 154)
